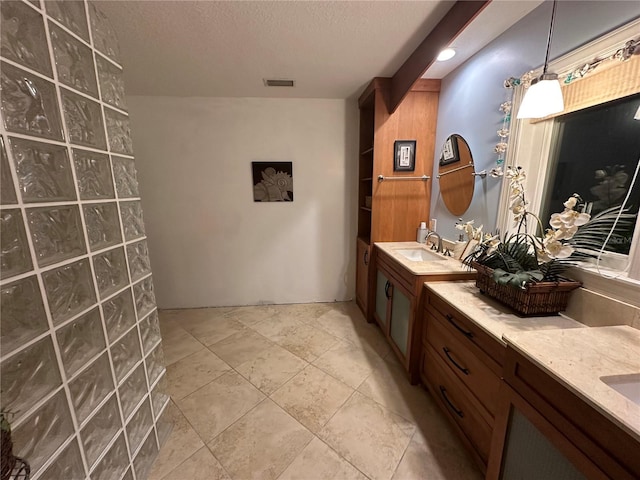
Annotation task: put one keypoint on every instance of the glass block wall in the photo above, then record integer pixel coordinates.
(81, 363)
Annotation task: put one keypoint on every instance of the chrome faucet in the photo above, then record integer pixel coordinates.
(439, 247)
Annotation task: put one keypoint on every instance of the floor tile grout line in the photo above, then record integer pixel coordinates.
(288, 381)
(251, 327)
(275, 343)
(266, 398)
(342, 457)
(404, 452)
(335, 413)
(190, 425)
(336, 378)
(200, 388)
(313, 435)
(318, 356)
(268, 395)
(236, 421)
(327, 423)
(219, 462)
(206, 443)
(395, 412)
(175, 400)
(307, 364)
(231, 369)
(226, 363)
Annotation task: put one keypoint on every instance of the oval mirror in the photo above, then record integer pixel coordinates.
(455, 174)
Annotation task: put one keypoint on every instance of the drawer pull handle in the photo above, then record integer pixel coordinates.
(466, 333)
(457, 411)
(458, 366)
(386, 289)
(366, 257)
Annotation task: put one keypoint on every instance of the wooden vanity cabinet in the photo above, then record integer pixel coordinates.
(395, 305)
(390, 211)
(394, 310)
(394, 313)
(461, 365)
(573, 430)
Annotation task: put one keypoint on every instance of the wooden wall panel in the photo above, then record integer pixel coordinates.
(400, 205)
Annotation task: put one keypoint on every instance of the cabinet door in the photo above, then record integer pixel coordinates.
(526, 445)
(527, 449)
(400, 319)
(383, 294)
(362, 276)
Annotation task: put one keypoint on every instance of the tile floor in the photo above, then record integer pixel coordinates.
(296, 392)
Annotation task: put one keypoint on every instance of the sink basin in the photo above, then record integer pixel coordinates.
(627, 385)
(420, 255)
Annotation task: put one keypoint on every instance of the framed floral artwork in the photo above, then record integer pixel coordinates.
(272, 181)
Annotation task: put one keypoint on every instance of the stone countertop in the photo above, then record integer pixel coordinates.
(569, 351)
(440, 265)
(490, 315)
(586, 355)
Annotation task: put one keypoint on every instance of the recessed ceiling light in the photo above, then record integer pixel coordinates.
(446, 54)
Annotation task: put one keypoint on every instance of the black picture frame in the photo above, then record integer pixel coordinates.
(404, 156)
(450, 153)
(272, 181)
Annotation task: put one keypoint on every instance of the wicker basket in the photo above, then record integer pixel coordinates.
(540, 298)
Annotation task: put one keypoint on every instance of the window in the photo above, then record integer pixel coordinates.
(549, 159)
(594, 153)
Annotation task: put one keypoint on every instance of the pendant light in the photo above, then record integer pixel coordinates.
(544, 96)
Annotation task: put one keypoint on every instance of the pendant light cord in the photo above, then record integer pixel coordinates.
(546, 57)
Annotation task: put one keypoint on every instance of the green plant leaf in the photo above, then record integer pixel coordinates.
(518, 279)
(592, 235)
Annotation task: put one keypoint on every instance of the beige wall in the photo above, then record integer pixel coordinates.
(210, 243)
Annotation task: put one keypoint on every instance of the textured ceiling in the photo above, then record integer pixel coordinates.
(226, 48)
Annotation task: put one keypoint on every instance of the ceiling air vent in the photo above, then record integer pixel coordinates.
(278, 83)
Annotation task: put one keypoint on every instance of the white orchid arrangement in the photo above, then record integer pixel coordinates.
(563, 227)
(469, 231)
(573, 236)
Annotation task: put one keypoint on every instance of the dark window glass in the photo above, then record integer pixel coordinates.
(595, 154)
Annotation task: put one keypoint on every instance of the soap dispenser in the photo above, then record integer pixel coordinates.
(421, 236)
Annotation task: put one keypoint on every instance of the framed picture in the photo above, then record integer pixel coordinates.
(405, 155)
(450, 151)
(272, 181)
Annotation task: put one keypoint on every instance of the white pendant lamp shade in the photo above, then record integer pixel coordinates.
(543, 98)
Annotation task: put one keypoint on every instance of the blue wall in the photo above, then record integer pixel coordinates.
(471, 94)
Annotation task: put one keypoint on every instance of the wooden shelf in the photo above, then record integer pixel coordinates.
(366, 209)
(365, 239)
(368, 179)
(368, 150)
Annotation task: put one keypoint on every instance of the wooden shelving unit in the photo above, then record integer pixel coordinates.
(396, 207)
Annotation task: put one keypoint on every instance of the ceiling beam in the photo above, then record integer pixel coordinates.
(453, 23)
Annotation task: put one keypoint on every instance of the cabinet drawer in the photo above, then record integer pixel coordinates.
(470, 369)
(485, 347)
(448, 393)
